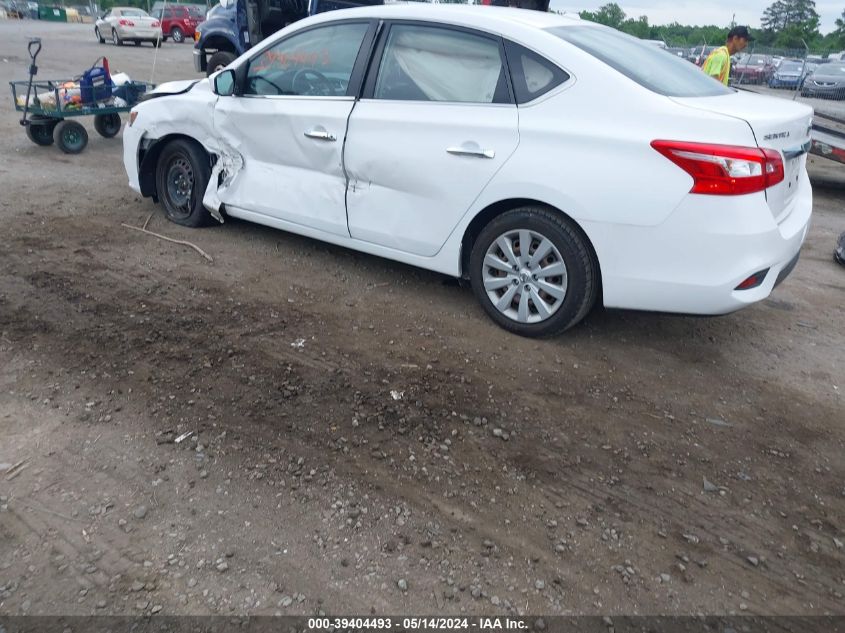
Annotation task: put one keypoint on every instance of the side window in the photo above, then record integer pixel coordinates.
(317, 62)
(532, 75)
(425, 63)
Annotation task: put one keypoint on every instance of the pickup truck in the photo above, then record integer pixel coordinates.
(233, 26)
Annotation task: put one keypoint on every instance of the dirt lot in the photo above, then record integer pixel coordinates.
(365, 439)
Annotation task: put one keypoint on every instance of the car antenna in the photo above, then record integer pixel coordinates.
(158, 42)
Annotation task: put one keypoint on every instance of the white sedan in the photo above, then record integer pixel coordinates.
(127, 24)
(553, 162)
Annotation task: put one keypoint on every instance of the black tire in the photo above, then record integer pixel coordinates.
(41, 133)
(157, 42)
(70, 136)
(182, 173)
(115, 38)
(99, 36)
(107, 125)
(582, 270)
(137, 42)
(177, 35)
(218, 61)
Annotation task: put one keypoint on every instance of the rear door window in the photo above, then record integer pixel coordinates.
(430, 63)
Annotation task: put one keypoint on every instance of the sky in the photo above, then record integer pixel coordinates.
(701, 12)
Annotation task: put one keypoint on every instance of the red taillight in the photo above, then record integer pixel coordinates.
(724, 170)
(126, 23)
(156, 24)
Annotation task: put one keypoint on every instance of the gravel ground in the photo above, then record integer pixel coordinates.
(296, 428)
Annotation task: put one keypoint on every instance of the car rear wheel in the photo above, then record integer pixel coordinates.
(533, 272)
(177, 35)
(219, 61)
(182, 175)
(115, 38)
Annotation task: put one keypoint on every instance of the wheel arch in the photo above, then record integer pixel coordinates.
(494, 210)
(219, 42)
(148, 161)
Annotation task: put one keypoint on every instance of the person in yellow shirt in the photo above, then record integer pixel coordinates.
(718, 63)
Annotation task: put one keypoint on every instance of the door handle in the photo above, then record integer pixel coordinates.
(320, 134)
(472, 151)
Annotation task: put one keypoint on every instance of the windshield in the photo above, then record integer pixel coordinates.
(647, 65)
(791, 66)
(757, 60)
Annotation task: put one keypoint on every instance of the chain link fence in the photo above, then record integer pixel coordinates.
(802, 74)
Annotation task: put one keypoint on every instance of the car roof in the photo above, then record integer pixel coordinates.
(478, 16)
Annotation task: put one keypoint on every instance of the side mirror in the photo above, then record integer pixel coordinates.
(224, 83)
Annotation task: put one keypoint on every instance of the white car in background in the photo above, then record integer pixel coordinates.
(555, 163)
(127, 24)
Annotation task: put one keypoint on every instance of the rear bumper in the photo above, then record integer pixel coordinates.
(694, 261)
(139, 34)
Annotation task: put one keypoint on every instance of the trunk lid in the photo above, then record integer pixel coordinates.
(777, 124)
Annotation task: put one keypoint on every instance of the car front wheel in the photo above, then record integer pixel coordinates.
(534, 272)
(182, 175)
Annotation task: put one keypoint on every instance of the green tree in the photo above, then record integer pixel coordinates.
(638, 28)
(610, 15)
(788, 23)
(838, 36)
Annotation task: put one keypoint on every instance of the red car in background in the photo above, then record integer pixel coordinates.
(753, 69)
(178, 22)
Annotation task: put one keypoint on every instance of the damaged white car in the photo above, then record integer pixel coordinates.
(553, 162)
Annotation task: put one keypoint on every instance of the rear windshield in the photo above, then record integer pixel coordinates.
(758, 60)
(791, 66)
(647, 65)
(133, 13)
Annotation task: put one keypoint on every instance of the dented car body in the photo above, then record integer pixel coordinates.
(480, 142)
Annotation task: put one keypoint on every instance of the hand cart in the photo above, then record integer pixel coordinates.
(48, 113)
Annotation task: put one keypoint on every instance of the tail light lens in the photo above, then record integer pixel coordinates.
(126, 23)
(156, 24)
(724, 170)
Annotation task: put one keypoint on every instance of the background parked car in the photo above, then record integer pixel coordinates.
(127, 24)
(790, 74)
(698, 54)
(754, 69)
(178, 22)
(828, 80)
(15, 10)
